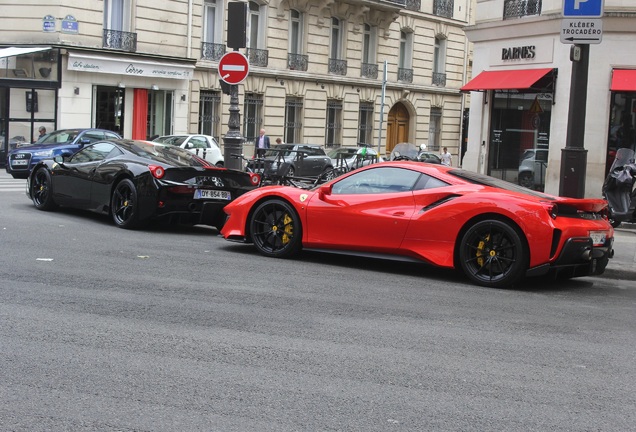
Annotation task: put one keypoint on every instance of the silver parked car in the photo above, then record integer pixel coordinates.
(204, 146)
(532, 167)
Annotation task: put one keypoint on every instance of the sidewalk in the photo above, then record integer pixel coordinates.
(623, 265)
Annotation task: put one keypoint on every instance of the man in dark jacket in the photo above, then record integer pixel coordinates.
(261, 145)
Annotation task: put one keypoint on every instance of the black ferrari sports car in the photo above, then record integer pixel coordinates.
(137, 181)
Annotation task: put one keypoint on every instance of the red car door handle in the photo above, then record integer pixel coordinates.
(399, 213)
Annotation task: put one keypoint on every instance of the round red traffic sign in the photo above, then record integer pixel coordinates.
(233, 67)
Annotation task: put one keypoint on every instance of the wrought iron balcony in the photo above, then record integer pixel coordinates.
(120, 40)
(414, 5)
(443, 8)
(369, 70)
(212, 51)
(257, 57)
(439, 79)
(405, 75)
(297, 61)
(337, 66)
(520, 8)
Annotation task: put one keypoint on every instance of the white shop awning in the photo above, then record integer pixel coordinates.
(16, 51)
(129, 66)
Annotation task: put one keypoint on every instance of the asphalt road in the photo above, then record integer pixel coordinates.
(103, 329)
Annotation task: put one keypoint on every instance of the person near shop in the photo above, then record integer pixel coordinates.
(446, 157)
(262, 144)
(279, 141)
(42, 132)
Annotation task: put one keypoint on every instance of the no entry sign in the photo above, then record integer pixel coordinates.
(233, 67)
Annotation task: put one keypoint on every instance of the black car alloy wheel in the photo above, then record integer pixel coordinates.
(276, 229)
(493, 254)
(41, 190)
(124, 206)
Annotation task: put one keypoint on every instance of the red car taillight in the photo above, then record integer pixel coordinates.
(157, 171)
(552, 209)
(255, 179)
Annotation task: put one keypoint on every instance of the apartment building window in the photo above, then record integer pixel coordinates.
(365, 123)
(293, 120)
(212, 48)
(369, 67)
(334, 123)
(520, 8)
(435, 129)
(439, 62)
(443, 8)
(405, 61)
(160, 107)
(210, 114)
(117, 33)
(257, 26)
(253, 116)
(336, 64)
(295, 59)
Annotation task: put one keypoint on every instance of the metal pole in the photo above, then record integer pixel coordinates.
(384, 79)
(574, 155)
(233, 140)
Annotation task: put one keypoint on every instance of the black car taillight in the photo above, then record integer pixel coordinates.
(157, 171)
(255, 179)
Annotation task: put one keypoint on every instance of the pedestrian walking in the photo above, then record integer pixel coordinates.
(446, 157)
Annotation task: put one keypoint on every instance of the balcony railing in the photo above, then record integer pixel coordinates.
(369, 70)
(443, 8)
(520, 8)
(337, 66)
(439, 79)
(414, 5)
(257, 57)
(297, 61)
(120, 40)
(405, 75)
(212, 51)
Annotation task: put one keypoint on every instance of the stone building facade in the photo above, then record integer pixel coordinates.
(317, 69)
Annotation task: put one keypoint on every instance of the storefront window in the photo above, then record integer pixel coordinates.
(28, 95)
(520, 137)
(109, 108)
(622, 124)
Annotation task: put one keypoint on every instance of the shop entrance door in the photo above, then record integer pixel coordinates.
(109, 108)
(397, 130)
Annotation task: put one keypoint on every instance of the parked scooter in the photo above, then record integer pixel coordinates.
(618, 188)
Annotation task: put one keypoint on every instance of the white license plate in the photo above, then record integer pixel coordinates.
(598, 237)
(212, 194)
(19, 162)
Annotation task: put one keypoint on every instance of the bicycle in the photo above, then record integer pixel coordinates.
(276, 172)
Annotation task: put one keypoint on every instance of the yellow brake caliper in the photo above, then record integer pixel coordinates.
(480, 251)
(288, 230)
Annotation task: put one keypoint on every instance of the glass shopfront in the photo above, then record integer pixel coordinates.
(520, 137)
(622, 124)
(29, 83)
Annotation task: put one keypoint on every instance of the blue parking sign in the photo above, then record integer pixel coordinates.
(583, 8)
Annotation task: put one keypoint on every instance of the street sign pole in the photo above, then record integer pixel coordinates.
(574, 155)
(577, 29)
(228, 71)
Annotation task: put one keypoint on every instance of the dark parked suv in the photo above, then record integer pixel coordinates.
(21, 160)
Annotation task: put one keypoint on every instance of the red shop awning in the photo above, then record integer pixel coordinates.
(506, 79)
(623, 80)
